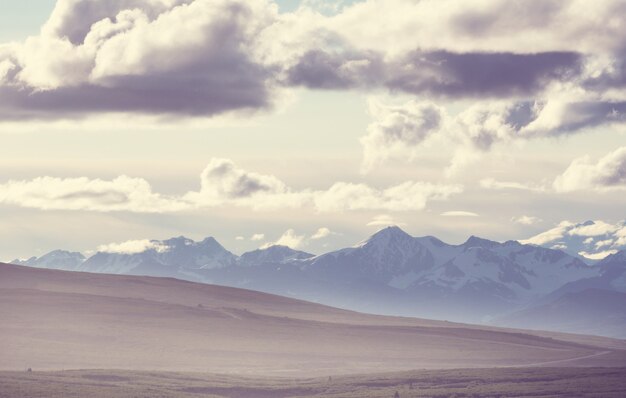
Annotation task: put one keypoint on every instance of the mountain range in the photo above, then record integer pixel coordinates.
(393, 273)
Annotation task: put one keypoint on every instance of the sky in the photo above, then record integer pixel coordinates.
(311, 124)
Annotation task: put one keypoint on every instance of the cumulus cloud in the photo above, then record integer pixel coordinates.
(133, 246)
(591, 239)
(201, 58)
(290, 238)
(459, 213)
(398, 128)
(526, 220)
(120, 194)
(410, 195)
(550, 235)
(157, 57)
(257, 237)
(322, 233)
(597, 228)
(222, 183)
(608, 173)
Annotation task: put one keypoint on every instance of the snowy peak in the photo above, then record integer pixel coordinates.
(170, 257)
(57, 259)
(275, 254)
(386, 236)
(475, 241)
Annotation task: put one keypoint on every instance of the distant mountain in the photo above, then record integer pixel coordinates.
(595, 305)
(176, 257)
(276, 254)
(390, 273)
(592, 311)
(57, 259)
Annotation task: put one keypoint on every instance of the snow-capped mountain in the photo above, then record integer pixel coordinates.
(275, 254)
(503, 271)
(57, 259)
(390, 272)
(176, 257)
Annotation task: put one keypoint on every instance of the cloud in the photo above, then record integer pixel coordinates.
(383, 220)
(526, 220)
(597, 228)
(459, 214)
(133, 246)
(399, 131)
(591, 239)
(257, 237)
(194, 58)
(608, 173)
(598, 255)
(550, 235)
(397, 128)
(490, 183)
(407, 196)
(120, 194)
(322, 233)
(222, 183)
(240, 238)
(478, 74)
(290, 239)
(202, 58)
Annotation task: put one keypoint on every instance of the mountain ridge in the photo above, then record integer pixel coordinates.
(391, 272)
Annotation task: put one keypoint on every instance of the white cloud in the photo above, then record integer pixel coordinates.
(221, 183)
(585, 238)
(383, 220)
(290, 239)
(403, 197)
(257, 237)
(240, 238)
(597, 256)
(609, 173)
(604, 243)
(459, 213)
(491, 183)
(526, 220)
(597, 228)
(120, 194)
(397, 129)
(322, 233)
(550, 235)
(133, 246)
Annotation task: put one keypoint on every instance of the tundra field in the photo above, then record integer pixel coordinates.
(503, 382)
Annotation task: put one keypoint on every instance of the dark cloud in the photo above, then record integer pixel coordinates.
(444, 73)
(439, 73)
(240, 86)
(211, 57)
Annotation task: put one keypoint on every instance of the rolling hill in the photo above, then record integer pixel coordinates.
(67, 320)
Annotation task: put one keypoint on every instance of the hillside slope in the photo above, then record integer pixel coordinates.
(57, 319)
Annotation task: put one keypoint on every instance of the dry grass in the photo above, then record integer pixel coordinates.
(512, 382)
